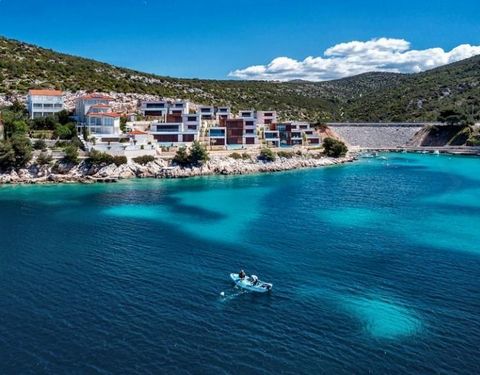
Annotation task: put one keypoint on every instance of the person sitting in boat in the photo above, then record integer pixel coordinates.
(242, 274)
(254, 280)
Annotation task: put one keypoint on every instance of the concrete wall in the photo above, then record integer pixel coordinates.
(377, 135)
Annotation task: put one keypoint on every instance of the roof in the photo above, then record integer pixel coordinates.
(96, 96)
(45, 92)
(137, 132)
(104, 114)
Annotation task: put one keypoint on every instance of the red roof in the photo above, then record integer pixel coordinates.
(137, 132)
(96, 96)
(45, 92)
(104, 114)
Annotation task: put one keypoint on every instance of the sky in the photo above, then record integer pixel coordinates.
(252, 39)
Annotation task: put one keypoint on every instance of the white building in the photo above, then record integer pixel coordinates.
(175, 133)
(44, 103)
(84, 103)
(266, 117)
(223, 113)
(206, 112)
(250, 127)
(159, 109)
(103, 123)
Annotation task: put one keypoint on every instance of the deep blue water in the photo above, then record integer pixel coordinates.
(375, 266)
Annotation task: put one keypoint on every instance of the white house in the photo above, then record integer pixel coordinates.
(44, 103)
(103, 123)
(84, 103)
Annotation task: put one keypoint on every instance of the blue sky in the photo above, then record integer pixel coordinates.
(210, 39)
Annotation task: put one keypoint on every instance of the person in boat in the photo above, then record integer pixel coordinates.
(242, 274)
(254, 280)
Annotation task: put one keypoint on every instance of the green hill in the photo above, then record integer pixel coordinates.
(370, 96)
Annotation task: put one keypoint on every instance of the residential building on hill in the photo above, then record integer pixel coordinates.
(44, 103)
(266, 117)
(84, 103)
(103, 123)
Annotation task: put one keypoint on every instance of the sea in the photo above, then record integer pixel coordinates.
(375, 268)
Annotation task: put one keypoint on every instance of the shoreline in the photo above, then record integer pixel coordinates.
(160, 169)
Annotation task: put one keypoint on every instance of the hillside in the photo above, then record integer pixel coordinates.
(370, 96)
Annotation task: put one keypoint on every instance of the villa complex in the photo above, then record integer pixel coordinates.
(168, 123)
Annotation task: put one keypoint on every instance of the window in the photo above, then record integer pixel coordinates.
(191, 118)
(37, 105)
(155, 105)
(249, 123)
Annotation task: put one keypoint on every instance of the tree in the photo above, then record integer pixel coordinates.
(181, 157)
(267, 154)
(63, 117)
(66, 131)
(198, 153)
(15, 152)
(40, 144)
(44, 159)
(453, 117)
(71, 154)
(85, 133)
(123, 124)
(334, 148)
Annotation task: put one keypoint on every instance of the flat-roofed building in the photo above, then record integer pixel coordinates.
(44, 102)
(174, 133)
(266, 117)
(222, 114)
(154, 109)
(206, 112)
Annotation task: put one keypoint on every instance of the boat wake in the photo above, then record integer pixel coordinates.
(226, 296)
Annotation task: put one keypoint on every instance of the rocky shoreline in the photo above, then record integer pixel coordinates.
(83, 173)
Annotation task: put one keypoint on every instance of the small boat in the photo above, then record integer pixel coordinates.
(251, 283)
(436, 152)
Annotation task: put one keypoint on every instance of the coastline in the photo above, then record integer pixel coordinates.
(217, 165)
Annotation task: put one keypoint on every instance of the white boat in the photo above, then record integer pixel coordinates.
(251, 283)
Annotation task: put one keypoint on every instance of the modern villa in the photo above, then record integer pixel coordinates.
(44, 103)
(177, 122)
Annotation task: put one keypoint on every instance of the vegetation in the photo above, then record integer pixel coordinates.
(71, 154)
(15, 152)
(366, 97)
(285, 154)
(267, 154)
(40, 144)
(101, 158)
(44, 159)
(334, 148)
(181, 157)
(235, 155)
(145, 159)
(197, 155)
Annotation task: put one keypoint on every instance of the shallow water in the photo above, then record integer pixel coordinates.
(375, 266)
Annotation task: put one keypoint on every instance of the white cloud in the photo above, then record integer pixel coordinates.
(347, 59)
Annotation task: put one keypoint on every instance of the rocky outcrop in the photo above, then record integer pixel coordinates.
(83, 173)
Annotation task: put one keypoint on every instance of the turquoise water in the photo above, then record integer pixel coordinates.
(375, 266)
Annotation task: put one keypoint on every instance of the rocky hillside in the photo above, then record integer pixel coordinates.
(371, 96)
